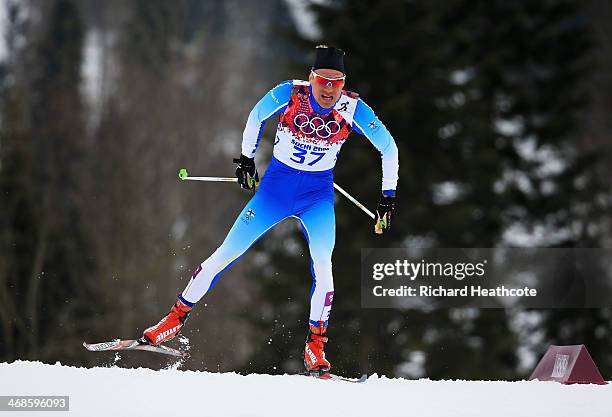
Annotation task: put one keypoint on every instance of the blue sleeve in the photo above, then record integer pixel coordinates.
(272, 103)
(366, 123)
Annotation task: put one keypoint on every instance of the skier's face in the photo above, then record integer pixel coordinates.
(326, 86)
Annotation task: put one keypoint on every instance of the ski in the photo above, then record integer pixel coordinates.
(333, 377)
(139, 344)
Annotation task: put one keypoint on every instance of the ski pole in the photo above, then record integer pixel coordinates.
(211, 179)
(183, 175)
(354, 201)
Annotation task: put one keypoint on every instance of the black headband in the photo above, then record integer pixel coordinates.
(329, 57)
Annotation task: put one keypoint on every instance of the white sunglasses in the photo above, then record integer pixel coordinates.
(327, 81)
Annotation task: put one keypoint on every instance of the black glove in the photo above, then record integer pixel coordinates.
(247, 174)
(386, 205)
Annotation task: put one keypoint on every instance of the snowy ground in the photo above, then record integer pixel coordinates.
(139, 392)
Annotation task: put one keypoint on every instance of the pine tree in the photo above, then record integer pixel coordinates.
(46, 282)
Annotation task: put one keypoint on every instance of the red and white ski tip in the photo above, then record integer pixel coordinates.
(139, 344)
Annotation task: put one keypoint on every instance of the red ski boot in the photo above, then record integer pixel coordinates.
(314, 354)
(169, 326)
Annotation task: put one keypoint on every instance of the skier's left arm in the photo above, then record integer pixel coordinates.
(368, 124)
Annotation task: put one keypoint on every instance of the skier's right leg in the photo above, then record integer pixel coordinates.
(261, 213)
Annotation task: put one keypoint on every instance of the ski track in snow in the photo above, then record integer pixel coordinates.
(139, 392)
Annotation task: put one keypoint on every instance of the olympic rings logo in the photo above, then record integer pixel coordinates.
(316, 125)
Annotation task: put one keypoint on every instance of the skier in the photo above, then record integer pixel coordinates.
(315, 119)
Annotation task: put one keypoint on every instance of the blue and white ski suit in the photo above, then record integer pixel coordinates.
(299, 182)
